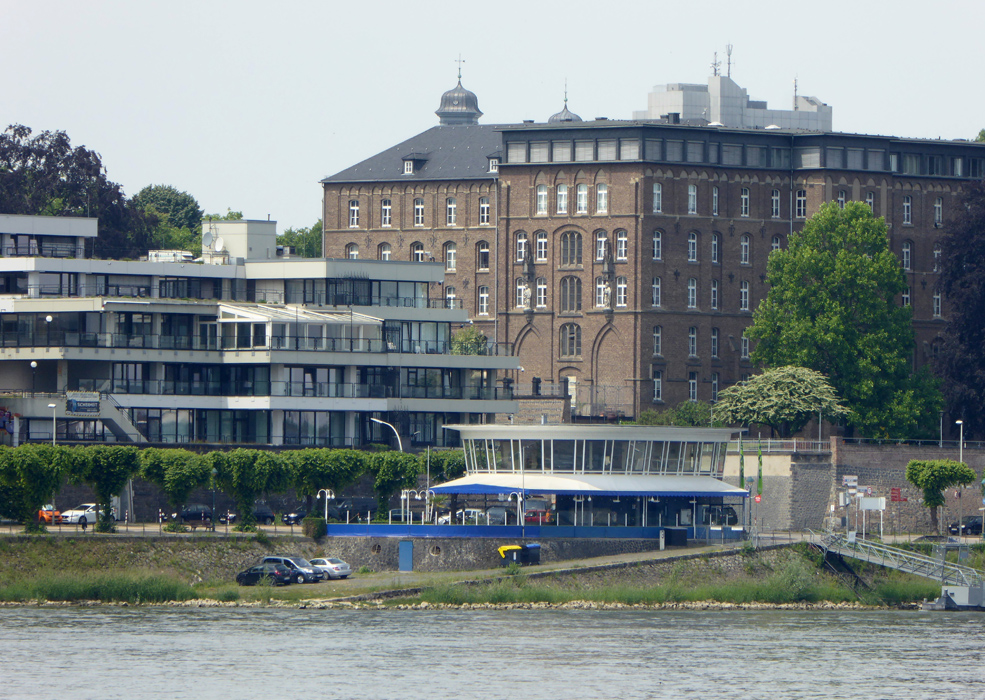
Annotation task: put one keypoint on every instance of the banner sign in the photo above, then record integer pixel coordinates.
(82, 403)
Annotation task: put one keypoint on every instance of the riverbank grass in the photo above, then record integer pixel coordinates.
(102, 587)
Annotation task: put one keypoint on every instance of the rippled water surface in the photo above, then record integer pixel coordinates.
(232, 653)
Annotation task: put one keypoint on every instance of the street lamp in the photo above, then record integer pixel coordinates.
(960, 424)
(329, 494)
(53, 407)
(215, 473)
(34, 376)
(400, 444)
(47, 330)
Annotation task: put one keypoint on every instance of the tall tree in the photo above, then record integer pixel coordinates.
(181, 208)
(832, 308)
(784, 398)
(307, 242)
(45, 175)
(935, 475)
(960, 362)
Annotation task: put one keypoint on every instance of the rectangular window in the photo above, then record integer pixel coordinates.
(801, 204)
(629, 149)
(541, 247)
(418, 212)
(714, 386)
(911, 164)
(692, 342)
(494, 165)
(584, 150)
(538, 151)
(516, 152)
(484, 211)
(483, 301)
(451, 212)
(561, 151)
(675, 151)
(353, 213)
(855, 158)
(655, 291)
(714, 343)
(622, 291)
(658, 197)
(876, 159)
(937, 305)
(956, 167)
(905, 297)
(775, 204)
(482, 255)
(714, 295)
(607, 150)
(542, 199)
(658, 247)
(622, 245)
(731, 154)
(935, 165)
(408, 167)
(807, 157)
(386, 210)
(744, 202)
(581, 199)
(695, 152)
(938, 211)
(601, 292)
(714, 248)
(835, 157)
(657, 340)
(754, 156)
(745, 348)
(907, 209)
(781, 158)
(601, 198)
(692, 386)
(654, 149)
(744, 296)
(451, 253)
(562, 199)
(692, 199)
(714, 201)
(541, 292)
(692, 293)
(658, 385)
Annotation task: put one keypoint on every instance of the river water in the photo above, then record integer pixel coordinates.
(239, 653)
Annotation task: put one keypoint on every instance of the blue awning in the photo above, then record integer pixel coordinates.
(591, 485)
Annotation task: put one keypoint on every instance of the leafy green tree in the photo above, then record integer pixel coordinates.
(245, 475)
(784, 398)
(469, 341)
(959, 361)
(313, 469)
(106, 470)
(230, 215)
(177, 472)
(180, 208)
(832, 308)
(981, 135)
(393, 471)
(307, 242)
(934, 476)
(44, 175)
(446, 465)
(29, 475)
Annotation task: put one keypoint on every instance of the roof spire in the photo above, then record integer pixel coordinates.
(564, 115)
(460, 61)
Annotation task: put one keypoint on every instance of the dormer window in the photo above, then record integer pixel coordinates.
(494, 165)
(408, 167)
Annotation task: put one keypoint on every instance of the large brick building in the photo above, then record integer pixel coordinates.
(624, 258)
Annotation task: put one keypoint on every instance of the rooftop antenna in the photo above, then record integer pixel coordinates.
(728, 54)
(716, 65)
(795, 93)
(460, 61)
(565, 92)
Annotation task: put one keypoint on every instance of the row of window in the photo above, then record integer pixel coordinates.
(451, 212)
(692, 343)
(692, 385)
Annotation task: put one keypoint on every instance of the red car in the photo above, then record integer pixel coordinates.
(49, 515)
(537, 516)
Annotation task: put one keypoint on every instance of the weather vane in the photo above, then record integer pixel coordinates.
(460, 61)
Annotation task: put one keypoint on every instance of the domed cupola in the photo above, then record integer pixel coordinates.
(564, 115)
(459, 106)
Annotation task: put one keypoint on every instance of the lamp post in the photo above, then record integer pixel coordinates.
(329, 494)
(400, 444)
(960, 424)
(34, 376)
(215, 473)
(47, 330)
(53, 407)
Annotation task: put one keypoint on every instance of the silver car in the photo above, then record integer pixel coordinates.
(332, 567)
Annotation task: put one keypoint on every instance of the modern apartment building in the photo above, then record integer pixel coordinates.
(247, 347)
(624, 259)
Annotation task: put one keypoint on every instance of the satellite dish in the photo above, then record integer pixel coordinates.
(207, 238)
(218, 244)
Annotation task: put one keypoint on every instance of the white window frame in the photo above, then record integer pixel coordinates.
(482, 251)
(841, 199)
(714, 295)
(714, 201)
(419, 212)
(692, 199)
(658, 245)
(658, 198)
(939, 211)
(907, 255)
(494, 165)
(692, 293)
(599, 292)
(386, 250)
(870, 200)
(745, 244)
(483, 301)
(562, 199)
(692, 247)
(775, 204)
(622, 291)
(601, 198)
(408, 167)
(541, 292)
(540, 249)
(658, 340)
(655, 292)
(937, 304)
(581, 199)
(801, 198)
(905, 297)
(451, 211)
(692, 341)
(352, 251)
(601, 239)
(714, 343)
(658, 385)
(541, 203)
(521, 246)
(744, 345)
(692, 386)
(484, 211)
(776, 244)
(714, 387)
(386, 213)
(449, 297)
(907, 210)
(715, 243)
(744, 202)
(743, 296)
(353, 213)
(417, 252)
(451, 253)
(622, 245)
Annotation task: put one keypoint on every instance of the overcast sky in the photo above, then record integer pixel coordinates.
(246, 105)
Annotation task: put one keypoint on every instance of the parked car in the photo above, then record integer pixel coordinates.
(301, 569)
(278, 574)
(49, 515)
(470, 516)
(195, 512)
(84, 514)
(537, 511)
(332, 567)
(969, 525)
(295, 516)
(501, 515)
(355, 508)
(720, 515)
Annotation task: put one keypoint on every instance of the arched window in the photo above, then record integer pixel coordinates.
(542, 199)
(745, 242)
(905, 297)
(870, 201)
(418, 212)
(451, 252)
(451, 211)
(352, 251)
(658, 245)
(692, 247)
(655, 291)
(570, 340)
(417, 252)
(907, 255)
(570, 294)
(581, 199)
(601, 240)
(541, 250)
(692, 293)
(384, 251)
(777, 243)
(601, 198)
(622, 245)
(482, 255)
(571, 248)
(562, 199)
(521, 246)
(841, 199)
(622, 291)
(541, 292)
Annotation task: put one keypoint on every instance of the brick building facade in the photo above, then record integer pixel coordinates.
(623, 259)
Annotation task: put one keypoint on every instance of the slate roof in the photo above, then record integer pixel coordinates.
(441, 153)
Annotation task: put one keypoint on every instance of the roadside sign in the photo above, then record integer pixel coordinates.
(758, 498)
(849, 481)
(868, 490)
(895, 494)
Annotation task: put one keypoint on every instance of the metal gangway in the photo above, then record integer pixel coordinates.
(939, 570)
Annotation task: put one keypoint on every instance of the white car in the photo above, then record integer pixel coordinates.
(85, 514)
(332, 567)
(468, 516)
